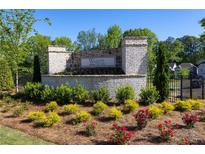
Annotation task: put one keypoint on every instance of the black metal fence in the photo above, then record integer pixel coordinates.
(183, 88)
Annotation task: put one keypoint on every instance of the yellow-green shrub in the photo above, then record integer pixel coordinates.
(130, 105)
(114, 113)
(155, 111)
(51, 106)
(99, 107)
(35, 116)
(50, 120)
(166, 106)
(183, 105)
(71, 108)
(81, 117)
(196, 104)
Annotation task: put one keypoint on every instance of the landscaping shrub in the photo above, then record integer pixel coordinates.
(33, 90)
(196, 104)
(48, 94)
(50, 120)
(142, 117)
(183, 105)
(99, 107)
(121, 136)
(149, 95)
(155, 111)
(35, 116)
(130, 105)
(63, 93)
(101, 94)
(166, 106)
(166, 130)
(190, 119)
(71, 108)
(125, 92)
(114, 113)
(80, 94)
(51, 106)
(90, 128)
(81, 116)
(20, 110)
(6, 80)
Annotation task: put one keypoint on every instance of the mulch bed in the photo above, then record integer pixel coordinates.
(66, 133)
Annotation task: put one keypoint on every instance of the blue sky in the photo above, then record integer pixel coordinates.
(163, 23)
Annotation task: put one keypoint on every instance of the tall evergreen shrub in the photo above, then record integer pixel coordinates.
(161, 75)
(36, 69)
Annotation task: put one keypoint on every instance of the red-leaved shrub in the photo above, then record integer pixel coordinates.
(190, 119)
(166, 130)
(142, 117)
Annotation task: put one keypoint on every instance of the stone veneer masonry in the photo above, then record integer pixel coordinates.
(132, 58)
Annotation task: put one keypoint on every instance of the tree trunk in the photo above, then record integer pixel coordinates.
(17, 81)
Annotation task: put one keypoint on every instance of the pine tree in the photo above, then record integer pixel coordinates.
(161, 76)
(36, 70)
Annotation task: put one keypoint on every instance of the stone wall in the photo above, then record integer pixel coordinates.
(95, 81)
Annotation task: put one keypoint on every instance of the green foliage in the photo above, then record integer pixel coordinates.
(99, 107)
(50, 120)
(33, 90)
(20, 110)
(195, 104)
(155, 111)
(114, 113)
(101, 94)
(161, 77)
(35, 116)
(64, 41)
(64, 93)
(125, 92)
(183, 105)
(149, 95)
(6, 80)
(48, 94)
(51, 106)
(130, 105)
(80, 94)
(184, 72)
(81, 116)
(36, 69)
(71, 108)
(166, 106)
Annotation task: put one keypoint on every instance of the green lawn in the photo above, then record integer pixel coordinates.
(11, 136)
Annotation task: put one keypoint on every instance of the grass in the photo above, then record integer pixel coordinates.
(11, 136)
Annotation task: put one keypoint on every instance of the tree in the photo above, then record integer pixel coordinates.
(114, 34)
(6, 80)
(64, 41)
(202, 23)
(161, 76)
(174, 48)
(87, 40)
(15, 28)
(36, 69)
(152, 41)
(38, 45)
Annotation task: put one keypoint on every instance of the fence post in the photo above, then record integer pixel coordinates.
(202, 88)
(181, 86)
(191, 86)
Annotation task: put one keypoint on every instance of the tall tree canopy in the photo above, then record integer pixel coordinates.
(15, 28)
(64, 41)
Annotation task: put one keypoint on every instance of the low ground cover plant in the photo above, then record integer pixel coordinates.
(100, 94)
(183, 105)
(90, 128)
(114, 113)
(142, 117)
(51, 106)
(71, 108)
(51, 119)
(166, 106)
(148, 95)
(81, 116)
(130, 105)
(121, 136)
(190, 119)
(166, 130)
(20, 110)
(195, 104)
(99, 107)
(125, 92)
(155, 111)
(35, 116)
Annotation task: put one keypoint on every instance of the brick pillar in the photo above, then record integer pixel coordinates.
(134, 55)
